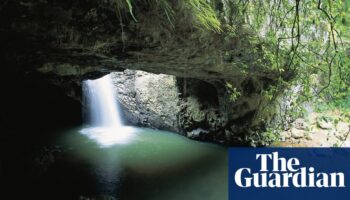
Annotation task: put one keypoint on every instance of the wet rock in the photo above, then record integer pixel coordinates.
(185, 105)
(228, 135)
(197, 133)
(148, 99)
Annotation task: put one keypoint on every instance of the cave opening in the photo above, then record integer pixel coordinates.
(205, 92)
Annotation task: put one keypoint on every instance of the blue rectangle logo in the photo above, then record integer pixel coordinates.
(289, 173)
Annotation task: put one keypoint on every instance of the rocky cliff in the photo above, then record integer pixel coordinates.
(196, 108)
(69, 41)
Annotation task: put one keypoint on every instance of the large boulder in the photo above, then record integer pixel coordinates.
(192, 107)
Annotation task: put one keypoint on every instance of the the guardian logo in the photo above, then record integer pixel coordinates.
(279, 172)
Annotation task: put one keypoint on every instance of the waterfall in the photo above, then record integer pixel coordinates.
(102, 113)
(101, 101)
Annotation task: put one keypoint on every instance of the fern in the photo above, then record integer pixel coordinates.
(204, 14)
(201, 10)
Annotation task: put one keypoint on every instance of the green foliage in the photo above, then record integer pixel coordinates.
(233, 92)
(202, 11)
(302, 39)
(340, 101)
(204, 14)
(263, 139)
(169, 12)
(269, 137)
(129, 3)
(345, 116)
(231, 31)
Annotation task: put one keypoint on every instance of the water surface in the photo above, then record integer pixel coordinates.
(155, 165)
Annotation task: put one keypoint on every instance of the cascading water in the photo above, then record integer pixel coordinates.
(103, 113)
(102, 103)
(135, 163)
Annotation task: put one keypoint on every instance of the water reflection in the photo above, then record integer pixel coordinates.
(109, 136)
(153, 165)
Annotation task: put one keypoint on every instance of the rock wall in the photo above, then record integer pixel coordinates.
(147, 99)
(195, 108)
(70, 41)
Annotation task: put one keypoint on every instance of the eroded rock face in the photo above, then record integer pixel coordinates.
(70, 41)
(195, 108)
(80, 38)
(147, 99)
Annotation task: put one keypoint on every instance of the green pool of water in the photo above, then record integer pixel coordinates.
(150, 164)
